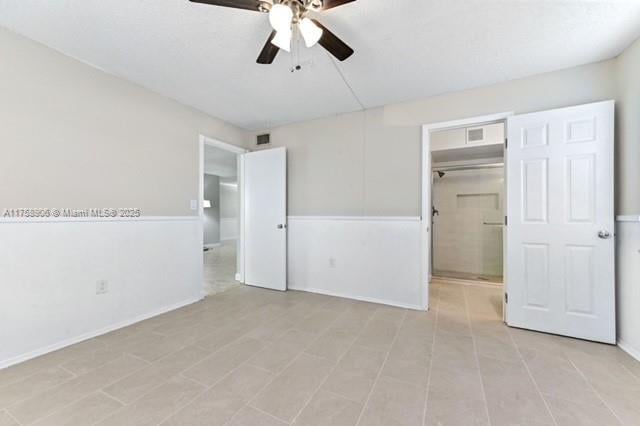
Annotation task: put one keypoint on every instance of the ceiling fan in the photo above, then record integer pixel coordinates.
(287, 15)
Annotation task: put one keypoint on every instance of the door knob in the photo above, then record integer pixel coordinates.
(281, 226)
(604, 234)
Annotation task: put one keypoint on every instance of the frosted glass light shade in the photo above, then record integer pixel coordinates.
(310, 32)
(280, 17)
(283, 39)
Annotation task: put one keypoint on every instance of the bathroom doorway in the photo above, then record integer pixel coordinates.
(468, 204)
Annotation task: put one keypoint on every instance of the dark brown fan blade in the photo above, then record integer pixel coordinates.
(333, 44)
(238, 4)
(330, 4)
(269, 51)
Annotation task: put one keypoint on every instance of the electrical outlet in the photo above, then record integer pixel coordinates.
(332, 262)
(102, 287)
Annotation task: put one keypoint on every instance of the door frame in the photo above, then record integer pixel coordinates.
(204, 141)
(425, 219)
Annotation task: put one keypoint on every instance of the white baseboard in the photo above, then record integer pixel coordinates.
(632, 351)
(214, 245)
(361, 299)
(72, 341)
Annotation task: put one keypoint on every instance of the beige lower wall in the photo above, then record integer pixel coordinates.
(368, 162)
(73, 136)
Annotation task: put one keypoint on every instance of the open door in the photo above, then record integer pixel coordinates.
(265, 218)
(560, 232)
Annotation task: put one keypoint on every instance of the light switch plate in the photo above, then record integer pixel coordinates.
(194, 204)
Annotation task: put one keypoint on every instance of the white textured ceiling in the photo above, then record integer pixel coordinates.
(204, 56)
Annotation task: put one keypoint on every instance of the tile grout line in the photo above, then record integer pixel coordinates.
(302, 352)
(206, 387)
(106, 346)
(257, 409)
(477, 355)
(393, 341)
(100, 391)
(586, 379)
(629, 370)
(18, 401)
(62, 367)
(55, 365)
(334, 368)
(430, 367)
(209, 387)
(95, 390)
(526, 366)
(11, 416)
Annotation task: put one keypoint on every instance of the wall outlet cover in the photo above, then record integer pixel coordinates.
(102, 287)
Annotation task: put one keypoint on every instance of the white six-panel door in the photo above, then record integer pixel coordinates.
(265, 218)
(560, 243)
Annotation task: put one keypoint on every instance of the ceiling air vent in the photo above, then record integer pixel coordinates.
(475, 135)
(264, 139)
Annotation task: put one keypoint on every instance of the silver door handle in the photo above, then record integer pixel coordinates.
(604, 234)
(281, 226)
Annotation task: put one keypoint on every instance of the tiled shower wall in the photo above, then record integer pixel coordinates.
(467, 234)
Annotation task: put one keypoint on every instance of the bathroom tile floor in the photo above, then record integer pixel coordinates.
(255, 357)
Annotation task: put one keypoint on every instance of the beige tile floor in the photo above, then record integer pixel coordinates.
(220, 268)
(251, 357)
(481, 278)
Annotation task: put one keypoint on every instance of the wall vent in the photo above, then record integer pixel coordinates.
(264, 139)
(475, 135)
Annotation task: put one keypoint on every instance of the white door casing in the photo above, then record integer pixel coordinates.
(265, 218)
(560, 197)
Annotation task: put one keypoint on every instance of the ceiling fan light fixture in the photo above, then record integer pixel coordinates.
(280, 17)
(282, 39)
(310, 32)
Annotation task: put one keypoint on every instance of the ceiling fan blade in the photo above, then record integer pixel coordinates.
(237, 4)
(269, 51)
(333, 44)
(330, 4)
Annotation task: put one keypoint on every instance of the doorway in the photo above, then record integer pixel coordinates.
(464, 200)
(220, 210)
(467, 222)
(243, 212)
(559, 261)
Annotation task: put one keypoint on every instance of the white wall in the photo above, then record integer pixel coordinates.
(368, 163)
(628, 190)
(461, 241)
(628, 131)
(376, 259)
(73, 136)
(48, 274)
